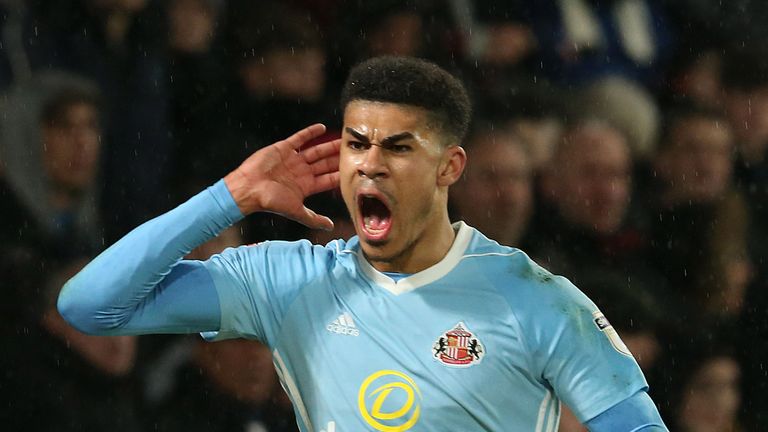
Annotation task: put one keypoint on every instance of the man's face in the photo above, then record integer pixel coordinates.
(495, 195)
(712, 399)
(71, 147)
(698, 162)
(390, 165)
(591, 179)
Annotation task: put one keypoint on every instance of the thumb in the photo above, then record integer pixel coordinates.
(314, 220)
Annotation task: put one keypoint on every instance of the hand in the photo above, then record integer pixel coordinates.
(279, 177)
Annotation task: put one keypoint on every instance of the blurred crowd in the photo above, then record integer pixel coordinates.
(620, 143)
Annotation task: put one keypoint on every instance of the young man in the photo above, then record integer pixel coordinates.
(415, 323)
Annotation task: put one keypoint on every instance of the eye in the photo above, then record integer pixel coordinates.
(356, 145)
(400, 148)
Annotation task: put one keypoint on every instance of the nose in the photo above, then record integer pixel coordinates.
(373, 164)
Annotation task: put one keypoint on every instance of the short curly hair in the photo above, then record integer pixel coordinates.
(414, 82)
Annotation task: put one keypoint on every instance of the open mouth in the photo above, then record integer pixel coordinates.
(376, 218)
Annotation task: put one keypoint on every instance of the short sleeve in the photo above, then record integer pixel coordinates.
(576, 351)
(256, 284)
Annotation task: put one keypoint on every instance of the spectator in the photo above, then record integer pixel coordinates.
(589, 179)
(695, 156)
(583, 225)
(746, 103)
(702, 385)
(50, 145)
(745, 79)
(53, 146)
(700, 220)
(495, 194)
(56, 378)
(119, 45)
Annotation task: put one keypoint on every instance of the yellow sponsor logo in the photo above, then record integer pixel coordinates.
(394, 385)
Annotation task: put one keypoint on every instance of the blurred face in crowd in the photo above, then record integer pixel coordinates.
(700, 80)
(191, 25)
(395, 168)
(590, 177)
(697, 162)
(711, 399)
(286, 73)
(398, 34)
(71, 147)
(495, 194)
(748, 114)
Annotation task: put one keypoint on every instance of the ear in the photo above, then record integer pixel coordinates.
(452, 165)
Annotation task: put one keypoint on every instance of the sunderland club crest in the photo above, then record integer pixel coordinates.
(458, 347)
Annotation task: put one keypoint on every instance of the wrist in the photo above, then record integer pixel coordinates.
(238, 187)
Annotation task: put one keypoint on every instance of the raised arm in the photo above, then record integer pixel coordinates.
(141, 285)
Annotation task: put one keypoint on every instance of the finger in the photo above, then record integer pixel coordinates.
(326, 165)
(321, 151)
(301, 137)
(314, 220)
(325, 182)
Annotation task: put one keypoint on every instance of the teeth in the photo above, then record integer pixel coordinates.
(369, 222)
(373, 224)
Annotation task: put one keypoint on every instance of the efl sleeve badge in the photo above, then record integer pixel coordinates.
(604, 326)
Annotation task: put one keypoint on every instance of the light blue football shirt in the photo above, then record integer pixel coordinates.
(483, 340)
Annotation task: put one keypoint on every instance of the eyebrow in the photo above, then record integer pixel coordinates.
(384, 142)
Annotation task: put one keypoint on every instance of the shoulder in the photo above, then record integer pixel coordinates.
(526, 285)
(511, 268)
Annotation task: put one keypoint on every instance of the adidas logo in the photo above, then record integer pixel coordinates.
(343, 325)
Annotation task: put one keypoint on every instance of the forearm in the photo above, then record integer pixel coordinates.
(123, 291)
